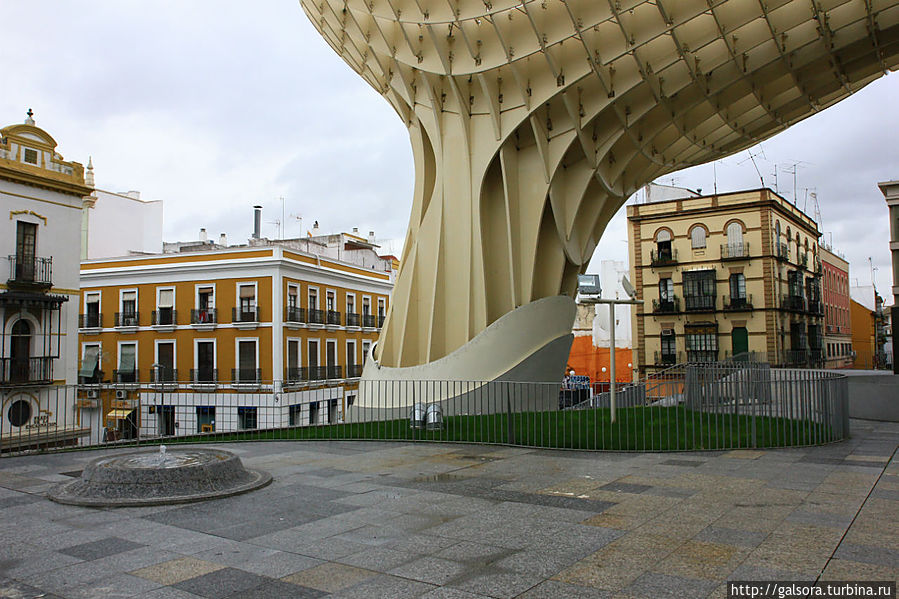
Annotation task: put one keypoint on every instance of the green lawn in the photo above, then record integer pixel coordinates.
(641, 429)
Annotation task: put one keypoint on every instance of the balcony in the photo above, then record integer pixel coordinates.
(782, 251)
(369, 322)
(793, 303)
(34, 273)
(204, 376)
(27, 371)
(204, 319)
(815, 307)
(354, 371)
(662, 257)
(803, 260)
(737, 304)
(799, 358)
(296, 375)
(125, 377)
(315, 318)
(665, 358)
(734, 251)
(164, 375)
(245, 318)
(666, 306)
(332, 319)
(317, 373)
(294, 315)
(353, 321)
(127, 320)
(90, 321)
(334, 372)
(381, 319)
(699, 303)
(246, 376)
(702, 355)
(164, 319)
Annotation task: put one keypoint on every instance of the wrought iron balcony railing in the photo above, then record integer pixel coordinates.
(24, 371)
(127, 319)
(245, 314)
(125, 376)
(699, 303)
(781, 251)
(90, 321)
(381, 319)
(795, 303)
(734, 251)
(660, 257)
(702, 355)
(815, 307)
(670, 305)
(334, 371)
(200, 376)
(368, 321)
(317, 373)
(246, 375)
(352, 319)
(354, 371)
(30, 271)
(205, 316)
(165, 317)
(315, 316)
(333, 318)
(297, 374)
(737, 303)
(295, 314)
(666, 358)
(164, 374)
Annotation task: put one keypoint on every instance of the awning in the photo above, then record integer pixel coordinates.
(89, 361)
(118, 414)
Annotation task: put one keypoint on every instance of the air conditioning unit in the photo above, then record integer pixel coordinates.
(93, 394)
(121, 394)
(667, 332)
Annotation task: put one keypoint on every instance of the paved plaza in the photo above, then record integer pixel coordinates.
(370, 520)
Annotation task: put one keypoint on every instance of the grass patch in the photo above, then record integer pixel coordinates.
(641, 428)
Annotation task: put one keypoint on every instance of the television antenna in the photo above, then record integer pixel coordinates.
(752, 156)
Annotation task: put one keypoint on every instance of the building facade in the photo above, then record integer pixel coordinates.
(41, 196)
(837, 320)
(723, 276)
(227, 335)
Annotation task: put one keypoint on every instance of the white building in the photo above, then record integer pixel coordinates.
(41, 199)
(103, 233)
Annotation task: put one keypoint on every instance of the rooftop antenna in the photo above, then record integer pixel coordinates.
(715, 174)
(281, 224)
(299, 219)
(752, 158)
(873, 270)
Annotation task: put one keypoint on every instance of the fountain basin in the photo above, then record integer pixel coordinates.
(159, 477)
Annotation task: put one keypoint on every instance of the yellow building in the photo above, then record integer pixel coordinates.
(725, 275)
(261, 335)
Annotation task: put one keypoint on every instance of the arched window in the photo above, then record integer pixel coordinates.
(663, 235)
(697, 235)
(735, 239)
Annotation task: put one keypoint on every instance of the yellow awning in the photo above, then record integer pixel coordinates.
(118, 414)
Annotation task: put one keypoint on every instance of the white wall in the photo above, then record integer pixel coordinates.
(610, 273)
(122, 224)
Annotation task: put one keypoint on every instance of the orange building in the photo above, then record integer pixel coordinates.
(862, 319)
(592, 360)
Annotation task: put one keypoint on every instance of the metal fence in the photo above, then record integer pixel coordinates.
(728, 405)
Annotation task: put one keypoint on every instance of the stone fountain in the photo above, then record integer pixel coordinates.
(160, 477)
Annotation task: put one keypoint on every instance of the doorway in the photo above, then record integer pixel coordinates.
(739, 339)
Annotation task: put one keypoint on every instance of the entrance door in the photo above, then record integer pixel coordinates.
(739, 339)
(20, 352)
(166, 416)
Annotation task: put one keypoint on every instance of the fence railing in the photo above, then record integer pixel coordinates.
(728, 405)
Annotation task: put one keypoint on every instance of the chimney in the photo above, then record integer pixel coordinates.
(223, 239)
(355, 230)
(315, 228)
(203, 235)
(371, 237)
(257, 221)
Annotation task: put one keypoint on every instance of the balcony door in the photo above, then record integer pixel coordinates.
(26, 245)
(165, 357)
(205, 361)
(20, 352)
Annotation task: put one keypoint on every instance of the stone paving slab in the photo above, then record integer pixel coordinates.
(370, 520)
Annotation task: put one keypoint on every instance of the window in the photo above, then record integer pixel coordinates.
(794, 283)
(90, 363)
(313, 412)
(165, 362)
(293, 360)
(292, 295)
(205, 419)
(165, 306)
(128, 316)
(382, 308)
(350, 303)
(663, 246)
(205, 371)
(735, 239)
(737, 286)
(351, 360)
(668, 347)
(666, 289)
(293, 414)
(366, 306)
(26, 251)
(246, 418)
(205, 311)
(127, 371)
(29, 156)
(315, 373)
(246, 361)
(699, 290)
(331, 299)
(702, 342)
(366, 348)
(246, 303)
(331, 359)
(91, 310)
(313, 298)
(697, 237)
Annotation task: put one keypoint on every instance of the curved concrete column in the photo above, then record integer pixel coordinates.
(532, 121)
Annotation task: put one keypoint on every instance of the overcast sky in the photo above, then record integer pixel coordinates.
(216, 105)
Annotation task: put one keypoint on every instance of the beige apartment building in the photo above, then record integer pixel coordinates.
(722, 276)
